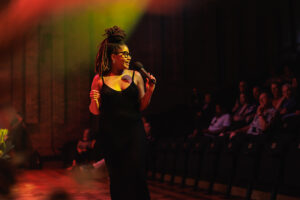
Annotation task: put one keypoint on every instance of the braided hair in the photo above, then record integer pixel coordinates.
(115, 37)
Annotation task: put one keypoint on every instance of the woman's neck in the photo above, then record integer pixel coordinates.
(116, 72)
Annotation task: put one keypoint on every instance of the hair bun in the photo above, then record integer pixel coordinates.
(114, 34)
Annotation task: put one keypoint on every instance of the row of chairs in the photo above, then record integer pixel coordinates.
(271, 166)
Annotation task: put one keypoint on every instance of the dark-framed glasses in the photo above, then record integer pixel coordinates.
(126, 54)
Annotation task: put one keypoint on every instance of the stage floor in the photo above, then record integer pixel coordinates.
(41, 184)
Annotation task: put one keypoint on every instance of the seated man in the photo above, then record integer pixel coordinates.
(220, 123)
(263, 118)
(287, 104)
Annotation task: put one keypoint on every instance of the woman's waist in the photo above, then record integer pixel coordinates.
(124, 115)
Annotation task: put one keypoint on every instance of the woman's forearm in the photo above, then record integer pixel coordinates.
(145, 101)
(94, 107)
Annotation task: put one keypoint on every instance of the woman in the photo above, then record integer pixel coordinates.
(275, 89)
(244, 114)
(118, 95)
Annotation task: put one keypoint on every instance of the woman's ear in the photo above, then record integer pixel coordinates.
(112, 57)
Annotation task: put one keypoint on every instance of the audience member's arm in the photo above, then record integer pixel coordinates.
(238, 131)
(264, 121)
(278, 105)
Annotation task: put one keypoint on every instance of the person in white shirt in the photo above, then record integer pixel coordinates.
(220, 123)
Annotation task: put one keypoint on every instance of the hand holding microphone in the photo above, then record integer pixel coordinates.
(151, 81)
(139, 66)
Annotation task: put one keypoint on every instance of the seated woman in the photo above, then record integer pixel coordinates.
(255, 95)
(244, 113)
(276, 94)
(243, 88)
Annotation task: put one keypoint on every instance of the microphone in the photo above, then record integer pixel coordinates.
(139, 66)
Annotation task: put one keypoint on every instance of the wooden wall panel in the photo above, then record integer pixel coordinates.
(31, 78)
(5, 80)
(18, 83)
(45, 137)
(83, 75)
(58, 82)
(73, 51)
(209, 49)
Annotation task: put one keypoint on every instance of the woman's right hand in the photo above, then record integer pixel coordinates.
(94, 95)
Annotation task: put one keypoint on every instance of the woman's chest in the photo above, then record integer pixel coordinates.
(118, 83)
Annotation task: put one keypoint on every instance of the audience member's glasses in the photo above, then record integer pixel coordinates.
(126, 54)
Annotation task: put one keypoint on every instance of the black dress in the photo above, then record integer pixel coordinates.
(122, 137)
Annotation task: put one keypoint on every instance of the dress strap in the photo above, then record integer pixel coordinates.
(133, 75)
(102, 77)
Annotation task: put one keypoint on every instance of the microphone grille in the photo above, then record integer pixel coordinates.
(138, 65)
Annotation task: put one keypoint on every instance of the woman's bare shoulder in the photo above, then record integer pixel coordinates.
(97, 82)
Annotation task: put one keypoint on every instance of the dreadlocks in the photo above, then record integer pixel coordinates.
(114, 39)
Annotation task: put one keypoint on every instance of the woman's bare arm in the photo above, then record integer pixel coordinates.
(95, 95)
(145, 96)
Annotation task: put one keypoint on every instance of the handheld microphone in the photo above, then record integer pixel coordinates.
(139, 66)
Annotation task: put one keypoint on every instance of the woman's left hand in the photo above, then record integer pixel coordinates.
(149, 85)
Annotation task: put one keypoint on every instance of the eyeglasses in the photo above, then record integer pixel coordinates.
(126, 54)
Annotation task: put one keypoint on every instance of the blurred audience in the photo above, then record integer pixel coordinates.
(219, 123)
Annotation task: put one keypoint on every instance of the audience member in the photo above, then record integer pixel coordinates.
(195, 99)
(276, 94)
(244, 114)
(220, 123)
(243, 88)
(255, 95)
(263, 118)
(287, 103)
(84, 149)
(147, 127)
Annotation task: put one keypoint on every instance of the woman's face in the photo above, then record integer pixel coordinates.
(242, 99)
(242, 86)
(264, 100)
(256, 93)
(286, 91)
(121, 59)
(274, 89)
(207, 98)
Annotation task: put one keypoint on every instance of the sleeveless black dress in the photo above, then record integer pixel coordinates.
(122, 137)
